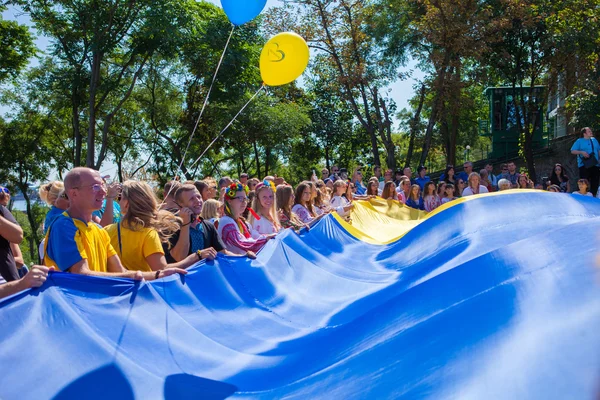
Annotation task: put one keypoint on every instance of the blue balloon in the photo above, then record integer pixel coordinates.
(241, 11)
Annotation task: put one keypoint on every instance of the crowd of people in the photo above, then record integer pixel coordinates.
(124, 230)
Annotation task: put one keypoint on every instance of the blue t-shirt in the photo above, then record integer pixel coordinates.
(463, 175)
(422, 181)
(582, 144)
(360, 188)
(51, 216)
(116, 211)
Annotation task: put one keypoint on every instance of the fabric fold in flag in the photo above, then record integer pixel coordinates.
(495, 296)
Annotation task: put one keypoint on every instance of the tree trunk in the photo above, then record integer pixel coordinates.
(453, 135)
(34, 239)
(374, 146)
(454, 114)
(119, 161)
(243, 161)
(528, 150)
(267, 160)
(94, 82)
(414, 123)
(256, 159)
(429, 131)
(76, 126)
(386, 133)
(439, 94)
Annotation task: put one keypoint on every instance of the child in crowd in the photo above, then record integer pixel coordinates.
(449, 194)
(414, 199)
(441, 189)
(554, 189)
(285, 202)
(303, 206)
(373, 187)
(584, 187)
(431, 201)
(339, 202)
(212, 210)
(389, 191)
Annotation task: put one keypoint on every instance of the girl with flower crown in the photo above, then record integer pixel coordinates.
(237, 235)
(265, 208)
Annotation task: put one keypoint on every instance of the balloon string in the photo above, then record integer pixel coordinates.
(201, 111)
(227, 127)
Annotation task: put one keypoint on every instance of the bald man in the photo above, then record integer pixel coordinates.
(77, 245)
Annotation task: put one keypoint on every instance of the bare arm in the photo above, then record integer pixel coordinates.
(157, 261)
(82, 268)
(249, 254)
(107, 217)
(579, 152)
(180, 251)
(114, 263)
(113, 192)
(34, 278)
(10, 231)
(18, 256)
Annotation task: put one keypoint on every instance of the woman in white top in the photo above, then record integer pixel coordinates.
(474, 186)
(584, 186)
(303, 206)
(339, 202)
(265, 208)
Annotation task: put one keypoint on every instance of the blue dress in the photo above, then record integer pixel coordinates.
(414, 204)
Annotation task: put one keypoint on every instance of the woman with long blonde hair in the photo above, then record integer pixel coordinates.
(265, 208)
(139, 237)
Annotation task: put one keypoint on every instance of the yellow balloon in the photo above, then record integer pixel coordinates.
(283, 59)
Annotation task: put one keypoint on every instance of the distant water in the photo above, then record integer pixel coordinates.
(21, 205)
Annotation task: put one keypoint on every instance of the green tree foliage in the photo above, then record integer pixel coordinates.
(16, 47)
(26, 160)
(104, 46)
(349, 60)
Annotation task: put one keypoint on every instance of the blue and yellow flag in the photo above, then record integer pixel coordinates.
(496, 296)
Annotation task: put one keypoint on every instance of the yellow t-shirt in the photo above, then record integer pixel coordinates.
(70, 240)
(136, 246)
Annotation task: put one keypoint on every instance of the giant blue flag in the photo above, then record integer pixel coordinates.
(493, 298)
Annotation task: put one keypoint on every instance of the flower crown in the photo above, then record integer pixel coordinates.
(266, 183)
(234, 188)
